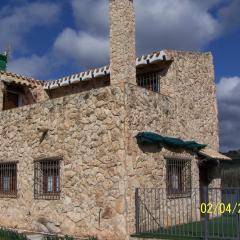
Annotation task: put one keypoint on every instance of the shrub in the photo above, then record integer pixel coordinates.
(6, 234)
(55, 237)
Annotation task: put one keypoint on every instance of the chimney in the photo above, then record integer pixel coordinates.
(122, 42)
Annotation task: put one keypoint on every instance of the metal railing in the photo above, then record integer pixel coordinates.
(208, 213)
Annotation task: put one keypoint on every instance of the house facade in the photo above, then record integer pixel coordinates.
(69, 158)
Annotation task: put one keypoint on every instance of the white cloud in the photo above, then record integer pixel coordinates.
(85, 48)
(229, 16)
(33, 66)
(229, 112)
(17, 21)
(227, 86)
(92, 15)
(174, 24)
(89, 45)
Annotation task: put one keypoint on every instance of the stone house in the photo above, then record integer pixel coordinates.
(69, 158)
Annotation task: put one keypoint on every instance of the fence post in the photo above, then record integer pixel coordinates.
(238, 217)
(137, 210)
(205, 196)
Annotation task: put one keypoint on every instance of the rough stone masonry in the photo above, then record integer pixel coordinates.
(94, 133)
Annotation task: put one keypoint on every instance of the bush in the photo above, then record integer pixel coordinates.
(55, 237)
(6, 234)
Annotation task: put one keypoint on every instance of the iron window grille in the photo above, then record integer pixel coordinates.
(47, 179)
(178, 177)
(8, 179)
(150, 81)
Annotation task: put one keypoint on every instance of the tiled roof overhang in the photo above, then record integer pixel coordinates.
(8, 77)
(103, 71)
(212, 154)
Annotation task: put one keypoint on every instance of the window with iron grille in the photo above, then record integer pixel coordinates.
(150, 81)
(8, 179)
(47, 179)
(178, 177)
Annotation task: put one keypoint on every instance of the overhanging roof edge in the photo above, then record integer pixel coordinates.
(103, 71)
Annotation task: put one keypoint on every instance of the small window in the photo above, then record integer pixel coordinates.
(8, 179)
(47, 179)
(10, 100)
(178, 177)
(151, 81)
(13, 97)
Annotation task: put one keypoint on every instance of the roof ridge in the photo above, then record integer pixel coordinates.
(19, 77)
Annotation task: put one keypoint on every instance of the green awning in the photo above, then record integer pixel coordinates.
(154, 138)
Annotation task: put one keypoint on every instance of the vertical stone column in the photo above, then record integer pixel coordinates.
(122, 41)
(123, 70)
(1, 94)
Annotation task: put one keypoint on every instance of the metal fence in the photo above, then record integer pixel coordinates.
(208, 213)
(230, 176)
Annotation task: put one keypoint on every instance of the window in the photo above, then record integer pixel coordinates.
(13, 97)
(8, 179)
(6, 184)
(178, 177)
(151, 81)
(47, 179)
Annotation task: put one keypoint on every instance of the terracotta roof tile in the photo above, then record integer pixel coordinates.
(19, 79)
(82, 76)
(208, 152)
(102, 71)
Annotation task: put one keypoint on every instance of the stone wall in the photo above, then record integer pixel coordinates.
(102, 164)
(146, 167)
(87, 130)
(191, 79)
(190, 113)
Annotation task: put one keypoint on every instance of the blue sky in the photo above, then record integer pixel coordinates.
(226, 52)
(51, 39)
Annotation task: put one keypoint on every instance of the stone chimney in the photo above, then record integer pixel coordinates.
(122, 41)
